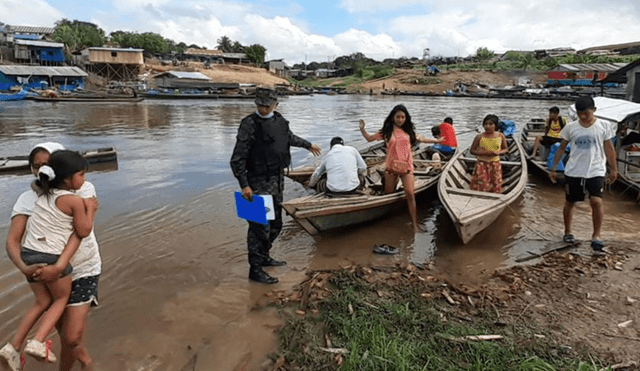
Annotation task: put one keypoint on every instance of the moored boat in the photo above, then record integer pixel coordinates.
(528, 134)
(20, 95)
(86, 99)
(473, 211)
(322, 212)
(99, 159)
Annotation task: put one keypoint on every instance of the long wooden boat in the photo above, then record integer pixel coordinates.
(322, 212)
(528, 134)
(473, 211)
(180, 95)
(99, 159)
(20, 95)
(372, 155)
(87, 99)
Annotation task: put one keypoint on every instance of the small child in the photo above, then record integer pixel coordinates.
(488, 146)
(58, 212)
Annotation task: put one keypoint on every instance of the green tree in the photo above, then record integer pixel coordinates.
(256, 53)
(237, 47)
(484, 54)
(527, 60)
(225, 44)
(78, 34)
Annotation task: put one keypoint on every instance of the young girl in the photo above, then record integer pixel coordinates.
(488, 146)
(58, 212)
(398, 132)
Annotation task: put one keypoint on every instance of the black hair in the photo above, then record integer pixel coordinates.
(448, 120)
(407, 127)
(492, 118)
(585, 103)
(64, 163)
(435, 131)
(336, 140)
(33, 154)
(554, 109)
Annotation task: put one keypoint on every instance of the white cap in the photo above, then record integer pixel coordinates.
(50, 146)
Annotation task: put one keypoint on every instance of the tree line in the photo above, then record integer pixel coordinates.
(77, 35)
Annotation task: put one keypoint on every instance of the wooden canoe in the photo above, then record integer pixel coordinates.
(528, 134)
(372, 155)
(99, 159)
(322, 212)
(473, 211)
(87, 99)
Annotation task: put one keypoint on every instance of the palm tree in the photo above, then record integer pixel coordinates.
(225, 44)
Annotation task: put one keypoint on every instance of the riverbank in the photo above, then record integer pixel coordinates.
(571, 310)
(402, 80)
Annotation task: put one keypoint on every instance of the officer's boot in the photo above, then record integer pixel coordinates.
(258, 275)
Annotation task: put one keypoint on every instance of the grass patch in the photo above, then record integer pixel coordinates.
(364, 326)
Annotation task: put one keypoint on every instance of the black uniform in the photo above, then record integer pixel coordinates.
(258, 161)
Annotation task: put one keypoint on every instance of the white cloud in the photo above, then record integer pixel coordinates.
(29, 13)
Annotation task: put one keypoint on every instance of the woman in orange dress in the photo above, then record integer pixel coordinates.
(398, 132)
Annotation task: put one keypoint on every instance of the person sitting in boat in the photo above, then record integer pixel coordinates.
(341, 170)
(552, 129)
(446, 136)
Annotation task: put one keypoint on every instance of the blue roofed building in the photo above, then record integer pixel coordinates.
(38, 77)
(44, 53)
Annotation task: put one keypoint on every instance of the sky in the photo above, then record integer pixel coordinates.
(322, 30)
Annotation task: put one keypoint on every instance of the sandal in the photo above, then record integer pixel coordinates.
(385, 249)
(597, 245)
(568, 238)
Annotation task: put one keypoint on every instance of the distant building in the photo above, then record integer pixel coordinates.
(212, 55)
(277, 66)
(44, 53)
(614, 49)
(9, 33)
(552, 53)
(119, 64)
(188, 80)
(581, 74)
(66, 78)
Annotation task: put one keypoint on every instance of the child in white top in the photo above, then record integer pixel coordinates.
(57, 214)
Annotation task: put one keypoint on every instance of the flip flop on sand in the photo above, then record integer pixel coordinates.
(385, 249)
(597, 245)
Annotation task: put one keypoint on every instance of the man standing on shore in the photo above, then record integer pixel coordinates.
(258, 161)
(591, 148)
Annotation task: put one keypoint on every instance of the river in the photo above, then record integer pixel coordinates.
(174, 280)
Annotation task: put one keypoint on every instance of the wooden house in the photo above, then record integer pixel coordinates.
(112, 63)
(189, 80)
(44, 53)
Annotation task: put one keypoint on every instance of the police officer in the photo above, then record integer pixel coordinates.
(258, 161)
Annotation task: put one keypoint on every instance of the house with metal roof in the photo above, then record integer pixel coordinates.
(8, 33)
(188, 80)
(581, 74)
(65, 78)
(630, 75)
(40, 52)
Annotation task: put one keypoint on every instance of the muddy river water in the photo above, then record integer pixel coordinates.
(174, 282)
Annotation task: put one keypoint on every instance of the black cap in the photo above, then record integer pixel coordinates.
(337, 140)
(265, 97)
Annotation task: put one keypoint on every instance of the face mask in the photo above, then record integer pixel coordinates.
(270, 115)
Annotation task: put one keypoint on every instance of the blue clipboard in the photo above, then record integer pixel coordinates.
(254, 211)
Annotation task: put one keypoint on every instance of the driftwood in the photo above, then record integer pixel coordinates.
(549, 248)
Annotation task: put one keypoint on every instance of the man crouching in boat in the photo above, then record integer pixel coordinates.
(344, 167)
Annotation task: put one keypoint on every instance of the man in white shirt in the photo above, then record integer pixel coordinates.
(585, 171)
(344, 167)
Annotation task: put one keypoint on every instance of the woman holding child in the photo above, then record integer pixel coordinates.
(398, 132)
(86, 265)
